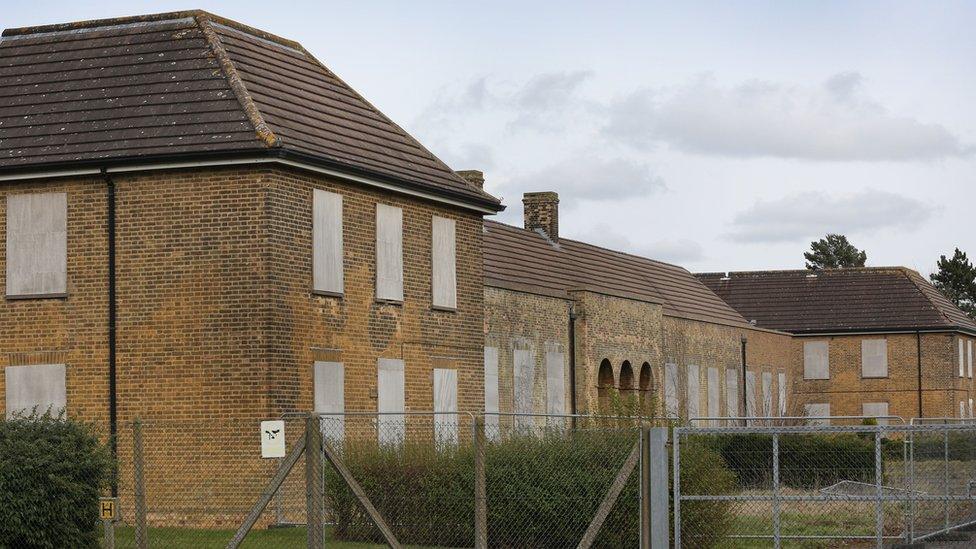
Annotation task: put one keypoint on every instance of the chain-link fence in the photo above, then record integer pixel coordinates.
(823, 485)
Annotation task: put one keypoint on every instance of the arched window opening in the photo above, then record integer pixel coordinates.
(626, 378)
(604, 386)
(645, 384)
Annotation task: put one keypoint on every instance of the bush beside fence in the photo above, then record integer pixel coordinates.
(52, 472)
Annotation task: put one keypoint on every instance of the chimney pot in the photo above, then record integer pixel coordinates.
(475, 177)
(541, 211)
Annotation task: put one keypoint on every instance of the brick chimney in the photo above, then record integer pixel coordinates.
(542, 212)
(475, 177)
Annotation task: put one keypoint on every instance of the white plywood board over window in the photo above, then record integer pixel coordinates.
(37, 244)
(445, 405)
(491, 392)
(555, 383)
(962, 363)
(694, 392)
(39, 388)
(750, 394)
(390, 400)
(443, 274)
(781, 385)
(329, 399)
(714, 392)
(816, 363)
(731, 393)
(874, 358)
(389, 253)
(327, 242)
(524, 379)
(671, 390)
(767, 393)
(875, 410)
(817, 410)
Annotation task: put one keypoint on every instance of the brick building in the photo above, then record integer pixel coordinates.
(870, 341)
(568, 324)
(202, 223)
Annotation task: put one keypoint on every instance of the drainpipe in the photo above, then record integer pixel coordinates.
(572, 362)
(112, 315)
(745, 387)
(918, 353)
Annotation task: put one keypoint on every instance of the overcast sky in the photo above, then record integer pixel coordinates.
(719, 136)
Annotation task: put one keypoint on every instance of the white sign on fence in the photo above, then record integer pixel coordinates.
(273, 439)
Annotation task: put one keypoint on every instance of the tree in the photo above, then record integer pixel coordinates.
(833, 252)
(956, 279)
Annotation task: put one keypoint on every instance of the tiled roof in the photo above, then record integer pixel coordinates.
(838, 300)
(524, 260)
(191, 83)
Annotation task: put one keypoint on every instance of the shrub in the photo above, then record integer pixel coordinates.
(806, 461)
(543, 490)
(52, 472)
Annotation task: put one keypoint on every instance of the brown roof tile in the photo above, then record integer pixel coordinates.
(191, 82)
(838, 300)
(524, 260)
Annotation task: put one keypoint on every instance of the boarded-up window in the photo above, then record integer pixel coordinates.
(327, 242)
(694, 392)
(443, 275)
(874, 358)
(817, 410)
(962, 408)
(714, 394)
(970, 408)
(732, 393)
(390, 400)
(389, 253)
(671, 390)
(445, 406)
(962, 363)
(816, 364)
(491, 392)
(524, 380)
(969, 356)
(767, 394)
(37, 244)
(875, 410)
(329, 400)
(750, 394)
(555, 383)
(781, 383)
(30, 388)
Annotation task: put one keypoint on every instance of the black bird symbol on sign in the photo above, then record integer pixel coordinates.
(272, 434)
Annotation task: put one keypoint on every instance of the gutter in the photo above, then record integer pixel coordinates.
(112, 323)
(267, 156)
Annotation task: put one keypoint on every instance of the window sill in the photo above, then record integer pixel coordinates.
(875, 377)
(35, 296)
(323, 293)
(398, 303)
(443, 309)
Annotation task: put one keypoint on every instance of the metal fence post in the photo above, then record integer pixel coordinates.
(314, 497)
(676, 461)
(139, 486)
(776, 511)
(911, 483)
(645, 488)
(480, 491)
(945, 433)
(659, 487)
(878, 505)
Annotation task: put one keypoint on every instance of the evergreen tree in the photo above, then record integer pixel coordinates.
(832, 252)
(956, 279)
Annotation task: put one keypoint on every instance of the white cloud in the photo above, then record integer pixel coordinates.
(812, 214)
(835, 121)
(590, 178)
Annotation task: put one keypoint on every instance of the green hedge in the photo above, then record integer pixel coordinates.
(542, 491)
(52, 472)
(805, 461)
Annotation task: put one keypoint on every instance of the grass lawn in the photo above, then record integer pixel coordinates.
(217, 539)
